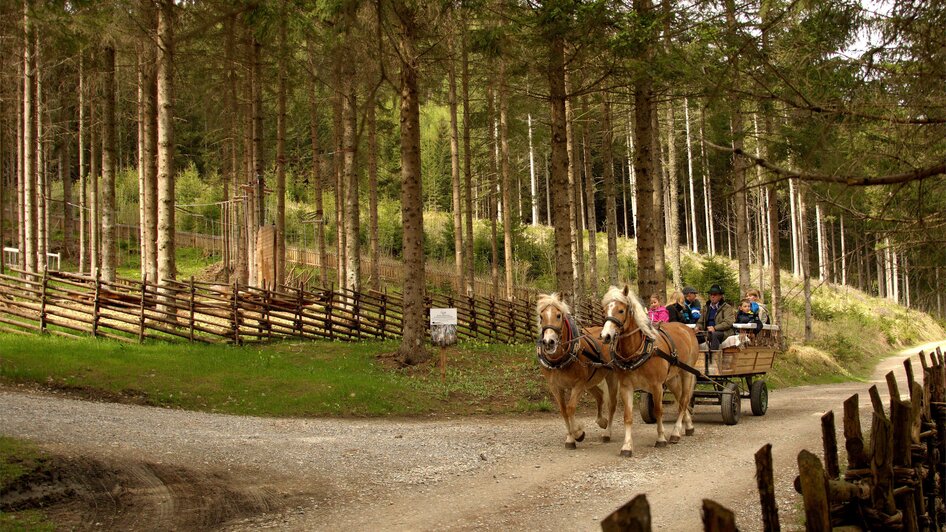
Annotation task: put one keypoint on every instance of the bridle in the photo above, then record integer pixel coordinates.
(570, 334)
(638, 359)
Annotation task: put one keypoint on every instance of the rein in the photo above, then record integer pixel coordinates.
(571, 342)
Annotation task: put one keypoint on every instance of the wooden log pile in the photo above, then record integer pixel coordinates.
(895, 480)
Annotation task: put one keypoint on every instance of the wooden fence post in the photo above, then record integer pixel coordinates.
(299, 303)
(96, 303)
(900, 418)
(814, 486)
(632, 517)
(384, 313)
(356, 313)
(235, 317)
(829, 440)
(191, 309)
(718, 518)
(473, 326)
(766, 484)
(141, 308)
(857, 459)
(42, 303)
(881, 465)
(329, 302)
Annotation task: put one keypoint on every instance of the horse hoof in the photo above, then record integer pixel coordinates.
(660, 444)
(674, 439)
(605, 439)
(627, 454)
(690, 432)
(581, 438)
(603, 423)
(571, 445)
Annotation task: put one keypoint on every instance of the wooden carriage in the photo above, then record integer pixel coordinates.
(732, 373)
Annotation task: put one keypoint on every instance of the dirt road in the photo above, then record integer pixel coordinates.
(147, 468)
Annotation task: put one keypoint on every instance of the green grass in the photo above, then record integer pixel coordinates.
(18, 458)
(280, 379)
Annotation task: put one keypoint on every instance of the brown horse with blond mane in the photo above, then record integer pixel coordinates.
(572, 363)
(646, 357)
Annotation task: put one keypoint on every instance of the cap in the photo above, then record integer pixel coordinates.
(715, 289)
(689, 290)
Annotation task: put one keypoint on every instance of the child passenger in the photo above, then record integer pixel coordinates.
(745, 315)
(656, 311)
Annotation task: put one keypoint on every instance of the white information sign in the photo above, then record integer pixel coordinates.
(443, 316)
(443, 326)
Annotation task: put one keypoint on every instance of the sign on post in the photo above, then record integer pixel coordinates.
(443, 326)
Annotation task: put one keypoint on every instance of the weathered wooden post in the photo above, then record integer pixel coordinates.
(718, 518)
(900, 418)
(632, 517)
(883, 508)
(191, 310)
(235, 317)
(766, 484)
(829, 440)
(814, 486)
(96, 302)
(141, 308)
(42, 302)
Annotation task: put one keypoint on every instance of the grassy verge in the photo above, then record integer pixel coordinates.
(19, 458)
(281, 379)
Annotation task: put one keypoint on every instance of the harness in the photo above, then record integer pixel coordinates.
(571, 340)
(647, 350)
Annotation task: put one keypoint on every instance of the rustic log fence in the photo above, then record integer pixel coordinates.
(69, 304)
(896, 480)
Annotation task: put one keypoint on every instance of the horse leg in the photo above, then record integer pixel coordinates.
(689, 385)
(676, 385)
(596, 392)
(612, 383)
(576, 431)
(657, 392)
(627, 395)
(559, 396)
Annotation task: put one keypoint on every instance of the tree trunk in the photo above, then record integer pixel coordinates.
(509, 259)
(83, 193)
(375, 276)
(352, 207)
(533, 185)
(316, 171)
(739, 165)
(559, 171)
(109, 243)
(42, 196)
(648, 280)
(412, 216)
(674, 206)
(258, 159)
(804, 245)
(165, 134)
(707, 189)
(660, 225)
(491, 199)
(29, 142)
(235, 206)
(694, 240)
(793, 201)
(455, 167)
(575, 192)
(590, 212)
(610, 198)
(631, 171)
(280, 252)
(68, 213)
(467, 167)
(338, 165)
(822, 266)
(843, 254)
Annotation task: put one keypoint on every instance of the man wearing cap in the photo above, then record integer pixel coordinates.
(692, 303)
(717, 319)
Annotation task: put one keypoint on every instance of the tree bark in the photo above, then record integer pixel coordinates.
(660, 225)
(804, 245)
(467, 166)
(235, 206)
(739, 167)
(694, 240)
(607, 140)
(648, 280)
(491, 198)
(375, 276)
(338, 165)
(533, 185)
(258, 158)
(83, 193)
(707, 189)
(165, 135)
(412, 216)
(352, 207)
(281, 96)
(455, 166)
(559, 171)
(575, 192)
(28, 250)
(509, 259)
(674, 206)
(317, 166)
(42, 222)
(109, 243)
(95, 243)
(590, 211)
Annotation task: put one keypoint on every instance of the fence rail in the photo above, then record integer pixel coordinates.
(70, 304)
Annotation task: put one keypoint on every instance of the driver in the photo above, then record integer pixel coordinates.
(717, 319)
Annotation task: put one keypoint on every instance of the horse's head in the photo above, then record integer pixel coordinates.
(552, 322)
(622, 312)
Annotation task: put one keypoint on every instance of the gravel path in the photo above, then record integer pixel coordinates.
(462, 473)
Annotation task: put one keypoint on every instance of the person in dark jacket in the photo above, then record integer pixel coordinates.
(678, 310)
(717, 319)
(692, 303)
(746, 316)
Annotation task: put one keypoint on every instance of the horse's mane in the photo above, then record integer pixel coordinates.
(546, 300)
(638, 312)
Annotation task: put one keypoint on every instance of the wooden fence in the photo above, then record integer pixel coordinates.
(895, 481)
(70, 304)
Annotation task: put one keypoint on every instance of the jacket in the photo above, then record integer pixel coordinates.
(725, 316)
(759, 310)
(749, 318)
(680, 313)
(658, 314)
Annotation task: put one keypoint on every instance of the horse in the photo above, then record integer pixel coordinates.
(645, 357)
(573, 362)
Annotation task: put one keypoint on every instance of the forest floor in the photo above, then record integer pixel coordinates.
(137, 467)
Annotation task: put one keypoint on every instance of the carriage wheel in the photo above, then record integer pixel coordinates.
(759, 398)
(731, 403)
(647, 408)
